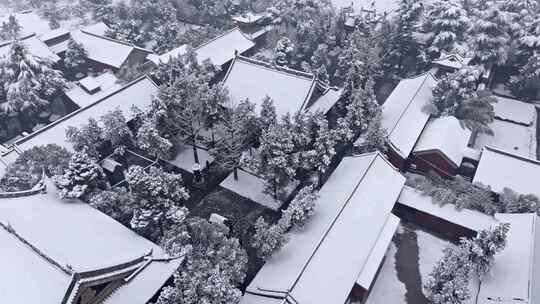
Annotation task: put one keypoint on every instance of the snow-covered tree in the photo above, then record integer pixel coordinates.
(456, 95)
(283, 52)
(526, 85)
(301, 208)
(519, 203)
(268, 239)
(278, 163)
(268, 116)
(483, 247)
(401, 42)
(117, 203)
(159, 195)
(447, 24)
(75, 55)
(150, 140)
(81, 177)
(238, 123)
(28, 82)
(214, 264)
(489, 36)
(87, 139)
(10, 28)
(376, 137)
(448, 283)
(323, 150)
(359, 60)
(115, 130)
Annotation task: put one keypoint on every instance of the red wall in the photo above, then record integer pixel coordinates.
(434, 161)
(396, 159)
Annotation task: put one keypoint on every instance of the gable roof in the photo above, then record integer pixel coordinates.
(403, 113)
(322, 261)
(99, 28)
(35, 47)
(53, 246)
(446, 135)
(136, 93)
(499, 169)
(453, 60)
(514, 278)
(254, 80)
(104, 50)
(219, 50)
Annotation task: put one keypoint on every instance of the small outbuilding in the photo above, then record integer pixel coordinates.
(441, 147)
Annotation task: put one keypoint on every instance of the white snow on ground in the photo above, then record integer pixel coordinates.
(185, 158)
(510, 137)
(251, 186)
(387, 287)
(430, 251)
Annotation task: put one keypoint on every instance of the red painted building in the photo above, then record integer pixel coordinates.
(441, 147)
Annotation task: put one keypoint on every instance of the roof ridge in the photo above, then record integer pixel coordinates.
(128, 85)
(114, 40)
(426, 75)
(9, 229)
(217, 37)
(510, 154)
(284, 70)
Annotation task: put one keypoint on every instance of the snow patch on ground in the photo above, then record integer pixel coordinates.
(387, 287)
(430, 250)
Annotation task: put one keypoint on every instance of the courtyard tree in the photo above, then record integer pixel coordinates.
(269, 239)
(213, 268)
(116, 130)
(301, 208)
(88, 138)
(82, 176)
(160, 196)
(10, 29)
(456, 95)
(75, 55)
(283, 52)
(151, 140)
(117, 203)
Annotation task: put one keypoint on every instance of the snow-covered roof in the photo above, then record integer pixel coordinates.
(219, 50)
(136, 93)
(322, 262)
(514, 278)
(46, 240)
(403, 113)
(499, 169)
(35, 47)
(99, 29)
(446, 135)
(249, 79)
(514, 111)
(328, 99)
(469, 219)
(30, 22)
(106, 82)
(103, 49)
(248, 18)
(509, 136)
(144, 285)
(164, 58)
(453, 60)
(56, 33)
